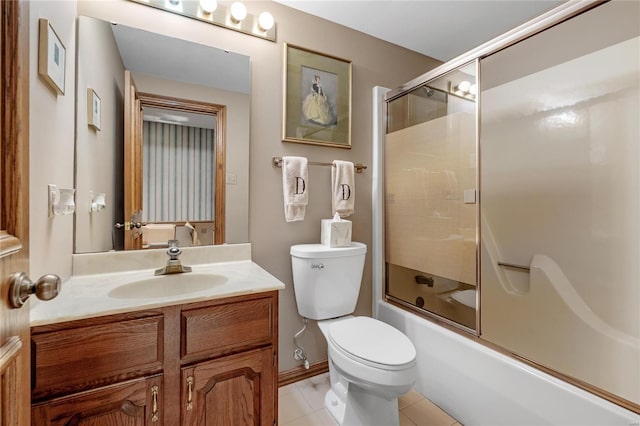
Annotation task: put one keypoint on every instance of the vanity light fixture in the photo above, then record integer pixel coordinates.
(463, 86)
(233, 16)
(265, 21)
(238, 12)
(173, 5)
(208, 6)
(464, 89)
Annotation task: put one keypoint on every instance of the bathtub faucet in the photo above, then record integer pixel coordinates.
(173, 266)
(421, 279)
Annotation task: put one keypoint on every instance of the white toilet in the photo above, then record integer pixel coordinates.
(371, 363)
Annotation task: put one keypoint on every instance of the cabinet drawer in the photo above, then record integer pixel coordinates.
(226, 328)
(83, 357)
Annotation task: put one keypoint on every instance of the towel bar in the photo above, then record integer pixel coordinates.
(514, 266)
(277, 162)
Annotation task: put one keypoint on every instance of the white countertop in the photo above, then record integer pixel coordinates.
(87, 296)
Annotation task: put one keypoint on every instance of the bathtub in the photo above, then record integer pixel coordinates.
(478, 385)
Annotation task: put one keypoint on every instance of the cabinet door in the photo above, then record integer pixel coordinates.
(233, 391)
(132, 403)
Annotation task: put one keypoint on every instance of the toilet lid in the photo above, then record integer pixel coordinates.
(321, 251)
(372, 341)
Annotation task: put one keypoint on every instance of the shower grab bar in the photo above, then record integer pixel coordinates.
(514, 266)
(359, 167)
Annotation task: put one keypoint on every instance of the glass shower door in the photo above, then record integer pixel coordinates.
(430, 197)
(560, 211)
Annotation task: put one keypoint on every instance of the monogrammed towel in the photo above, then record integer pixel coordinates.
(343, 188)
(295, 178)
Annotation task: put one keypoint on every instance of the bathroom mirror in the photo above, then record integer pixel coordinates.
(189, 78)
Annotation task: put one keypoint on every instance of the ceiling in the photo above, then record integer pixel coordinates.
(441, 29)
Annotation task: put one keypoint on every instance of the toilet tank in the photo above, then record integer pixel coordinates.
(326, 280)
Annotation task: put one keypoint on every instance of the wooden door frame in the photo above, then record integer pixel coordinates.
(132, 163)
(219, 112)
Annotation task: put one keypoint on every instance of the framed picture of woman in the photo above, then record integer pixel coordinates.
(317, 98)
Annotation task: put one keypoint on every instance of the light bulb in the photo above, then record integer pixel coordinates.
(175, 5)
(238, 11)
(208, 6)
(473, 89)
(265, 21)
(463, 86)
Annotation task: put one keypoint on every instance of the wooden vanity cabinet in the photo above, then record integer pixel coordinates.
(237, 386)
(204, 363)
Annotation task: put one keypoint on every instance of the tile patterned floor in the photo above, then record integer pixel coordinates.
(301, 404)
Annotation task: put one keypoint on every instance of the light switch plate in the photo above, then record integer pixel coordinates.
(232, 179)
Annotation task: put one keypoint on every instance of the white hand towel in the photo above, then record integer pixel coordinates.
(295, 188)
(343, 188)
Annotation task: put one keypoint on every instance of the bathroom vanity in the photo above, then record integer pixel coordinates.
(202, 356)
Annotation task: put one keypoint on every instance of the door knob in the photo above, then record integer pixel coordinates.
(127, 226)
(21, 287)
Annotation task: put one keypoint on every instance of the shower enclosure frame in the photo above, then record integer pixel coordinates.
(550, 19)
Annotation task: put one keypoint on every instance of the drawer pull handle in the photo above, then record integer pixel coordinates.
(154, 409)
(189, 393)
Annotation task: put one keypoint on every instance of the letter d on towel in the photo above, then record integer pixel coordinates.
(346, 191)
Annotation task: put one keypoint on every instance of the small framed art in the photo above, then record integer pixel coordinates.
(51, 57)
(93, 109)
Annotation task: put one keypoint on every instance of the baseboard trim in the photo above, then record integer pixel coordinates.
(300, 373)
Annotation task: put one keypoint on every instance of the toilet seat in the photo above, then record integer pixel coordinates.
(373, 343)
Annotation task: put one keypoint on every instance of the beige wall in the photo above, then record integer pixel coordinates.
(51, 131)
(375, 63)
(100, 68)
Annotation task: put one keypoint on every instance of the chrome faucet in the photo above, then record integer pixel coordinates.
(173, 266)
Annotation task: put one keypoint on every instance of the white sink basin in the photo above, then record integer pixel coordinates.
(167, 286)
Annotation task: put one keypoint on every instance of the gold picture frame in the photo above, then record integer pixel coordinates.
(317, 98)
(52, 57)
